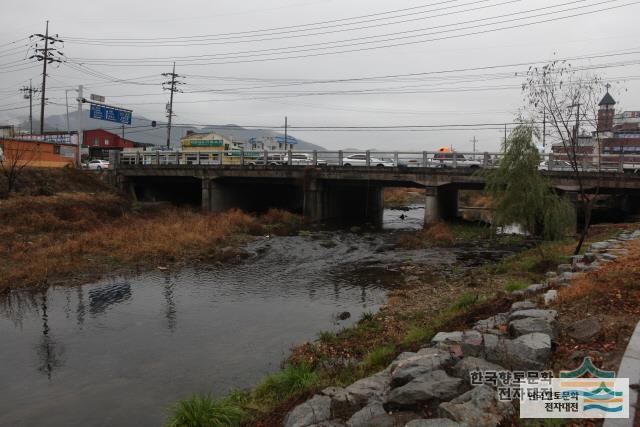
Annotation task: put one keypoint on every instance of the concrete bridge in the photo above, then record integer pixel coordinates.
(327, 193)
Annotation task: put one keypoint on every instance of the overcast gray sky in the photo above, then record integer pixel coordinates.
(253, 62)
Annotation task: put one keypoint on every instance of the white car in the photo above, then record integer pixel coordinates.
(361, 160)
(302, 159)
(447, 161)
(97, 165)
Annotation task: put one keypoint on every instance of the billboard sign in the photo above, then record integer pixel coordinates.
(110, 114)
(97, 98)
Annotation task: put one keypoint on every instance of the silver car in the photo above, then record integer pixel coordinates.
(361, 160)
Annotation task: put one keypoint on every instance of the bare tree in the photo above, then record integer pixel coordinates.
(16, 155)
(566, 98)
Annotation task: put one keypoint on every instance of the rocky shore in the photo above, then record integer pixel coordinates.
(432, 386)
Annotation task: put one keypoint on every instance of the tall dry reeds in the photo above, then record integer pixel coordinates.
(83, 235)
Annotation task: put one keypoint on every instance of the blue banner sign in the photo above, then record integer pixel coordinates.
(111, 114)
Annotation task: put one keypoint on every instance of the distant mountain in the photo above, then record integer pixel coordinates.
(139, 131)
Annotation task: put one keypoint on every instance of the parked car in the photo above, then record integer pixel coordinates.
(272, 160)
(447, 161)
(417, 163)
(302, 159)
(361, 160)
(97, 165)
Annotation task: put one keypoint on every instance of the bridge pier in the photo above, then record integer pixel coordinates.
(205, 201)
(356, 203)
(441, 204)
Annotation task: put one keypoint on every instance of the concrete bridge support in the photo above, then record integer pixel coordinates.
(218, 197)
(441, 204)
(355, 203)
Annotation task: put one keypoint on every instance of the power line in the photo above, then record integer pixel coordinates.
(261, 37)
(266, 29)
(193, 59)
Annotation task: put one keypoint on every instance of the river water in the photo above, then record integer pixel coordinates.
(120, 351)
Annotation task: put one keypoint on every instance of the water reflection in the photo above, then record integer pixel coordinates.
(15, 305)
(102, 298)
(50, 352)
(170, 309)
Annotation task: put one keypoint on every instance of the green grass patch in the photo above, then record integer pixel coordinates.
(531, 264)
(294, 379)
(417, 334)
(328, 337)
(379, 357)
(465, 301)
(515, 285)
(204, 411)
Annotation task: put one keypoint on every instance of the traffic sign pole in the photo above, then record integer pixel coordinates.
(80, 129)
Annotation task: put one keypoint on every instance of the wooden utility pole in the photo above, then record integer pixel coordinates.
(47, 55)
(28, 94)
(171, 86)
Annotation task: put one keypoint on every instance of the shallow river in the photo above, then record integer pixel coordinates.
(120, 351)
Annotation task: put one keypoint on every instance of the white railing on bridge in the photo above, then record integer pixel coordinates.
(394, 159)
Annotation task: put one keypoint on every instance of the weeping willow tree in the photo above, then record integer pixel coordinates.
(521, 195)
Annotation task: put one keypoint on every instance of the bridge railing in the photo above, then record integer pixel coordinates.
(352, 159)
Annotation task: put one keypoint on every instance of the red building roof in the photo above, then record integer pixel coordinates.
(100, 138)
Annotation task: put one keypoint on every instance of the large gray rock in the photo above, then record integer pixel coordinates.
(491, 323)
(479, 407)
(435, 422)
(363, 417)
(535, 288)
(599, 246)
(531, 351)
(426, 360)
(428, 389)
(564, 268)
(522, 305)
(447, 337)
(373, 387)
(529, 325)
(565, 277)
(313, 411)
(343, 403)
(469, 364)
(550, 315)
(550, 296)
(585, 330)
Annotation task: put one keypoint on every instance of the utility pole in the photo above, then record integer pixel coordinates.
(47, 55)
(66, 101)
(80, 129)
(505, 138)
(28, 94)
(286, 136)
(474, 140)
(171, 86)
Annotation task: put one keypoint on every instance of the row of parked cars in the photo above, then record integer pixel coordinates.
(439, 160)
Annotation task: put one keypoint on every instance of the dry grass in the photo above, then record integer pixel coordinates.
(612, 295)
(438, 234)
(49, 181)
(76, 236)
(401, 197)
